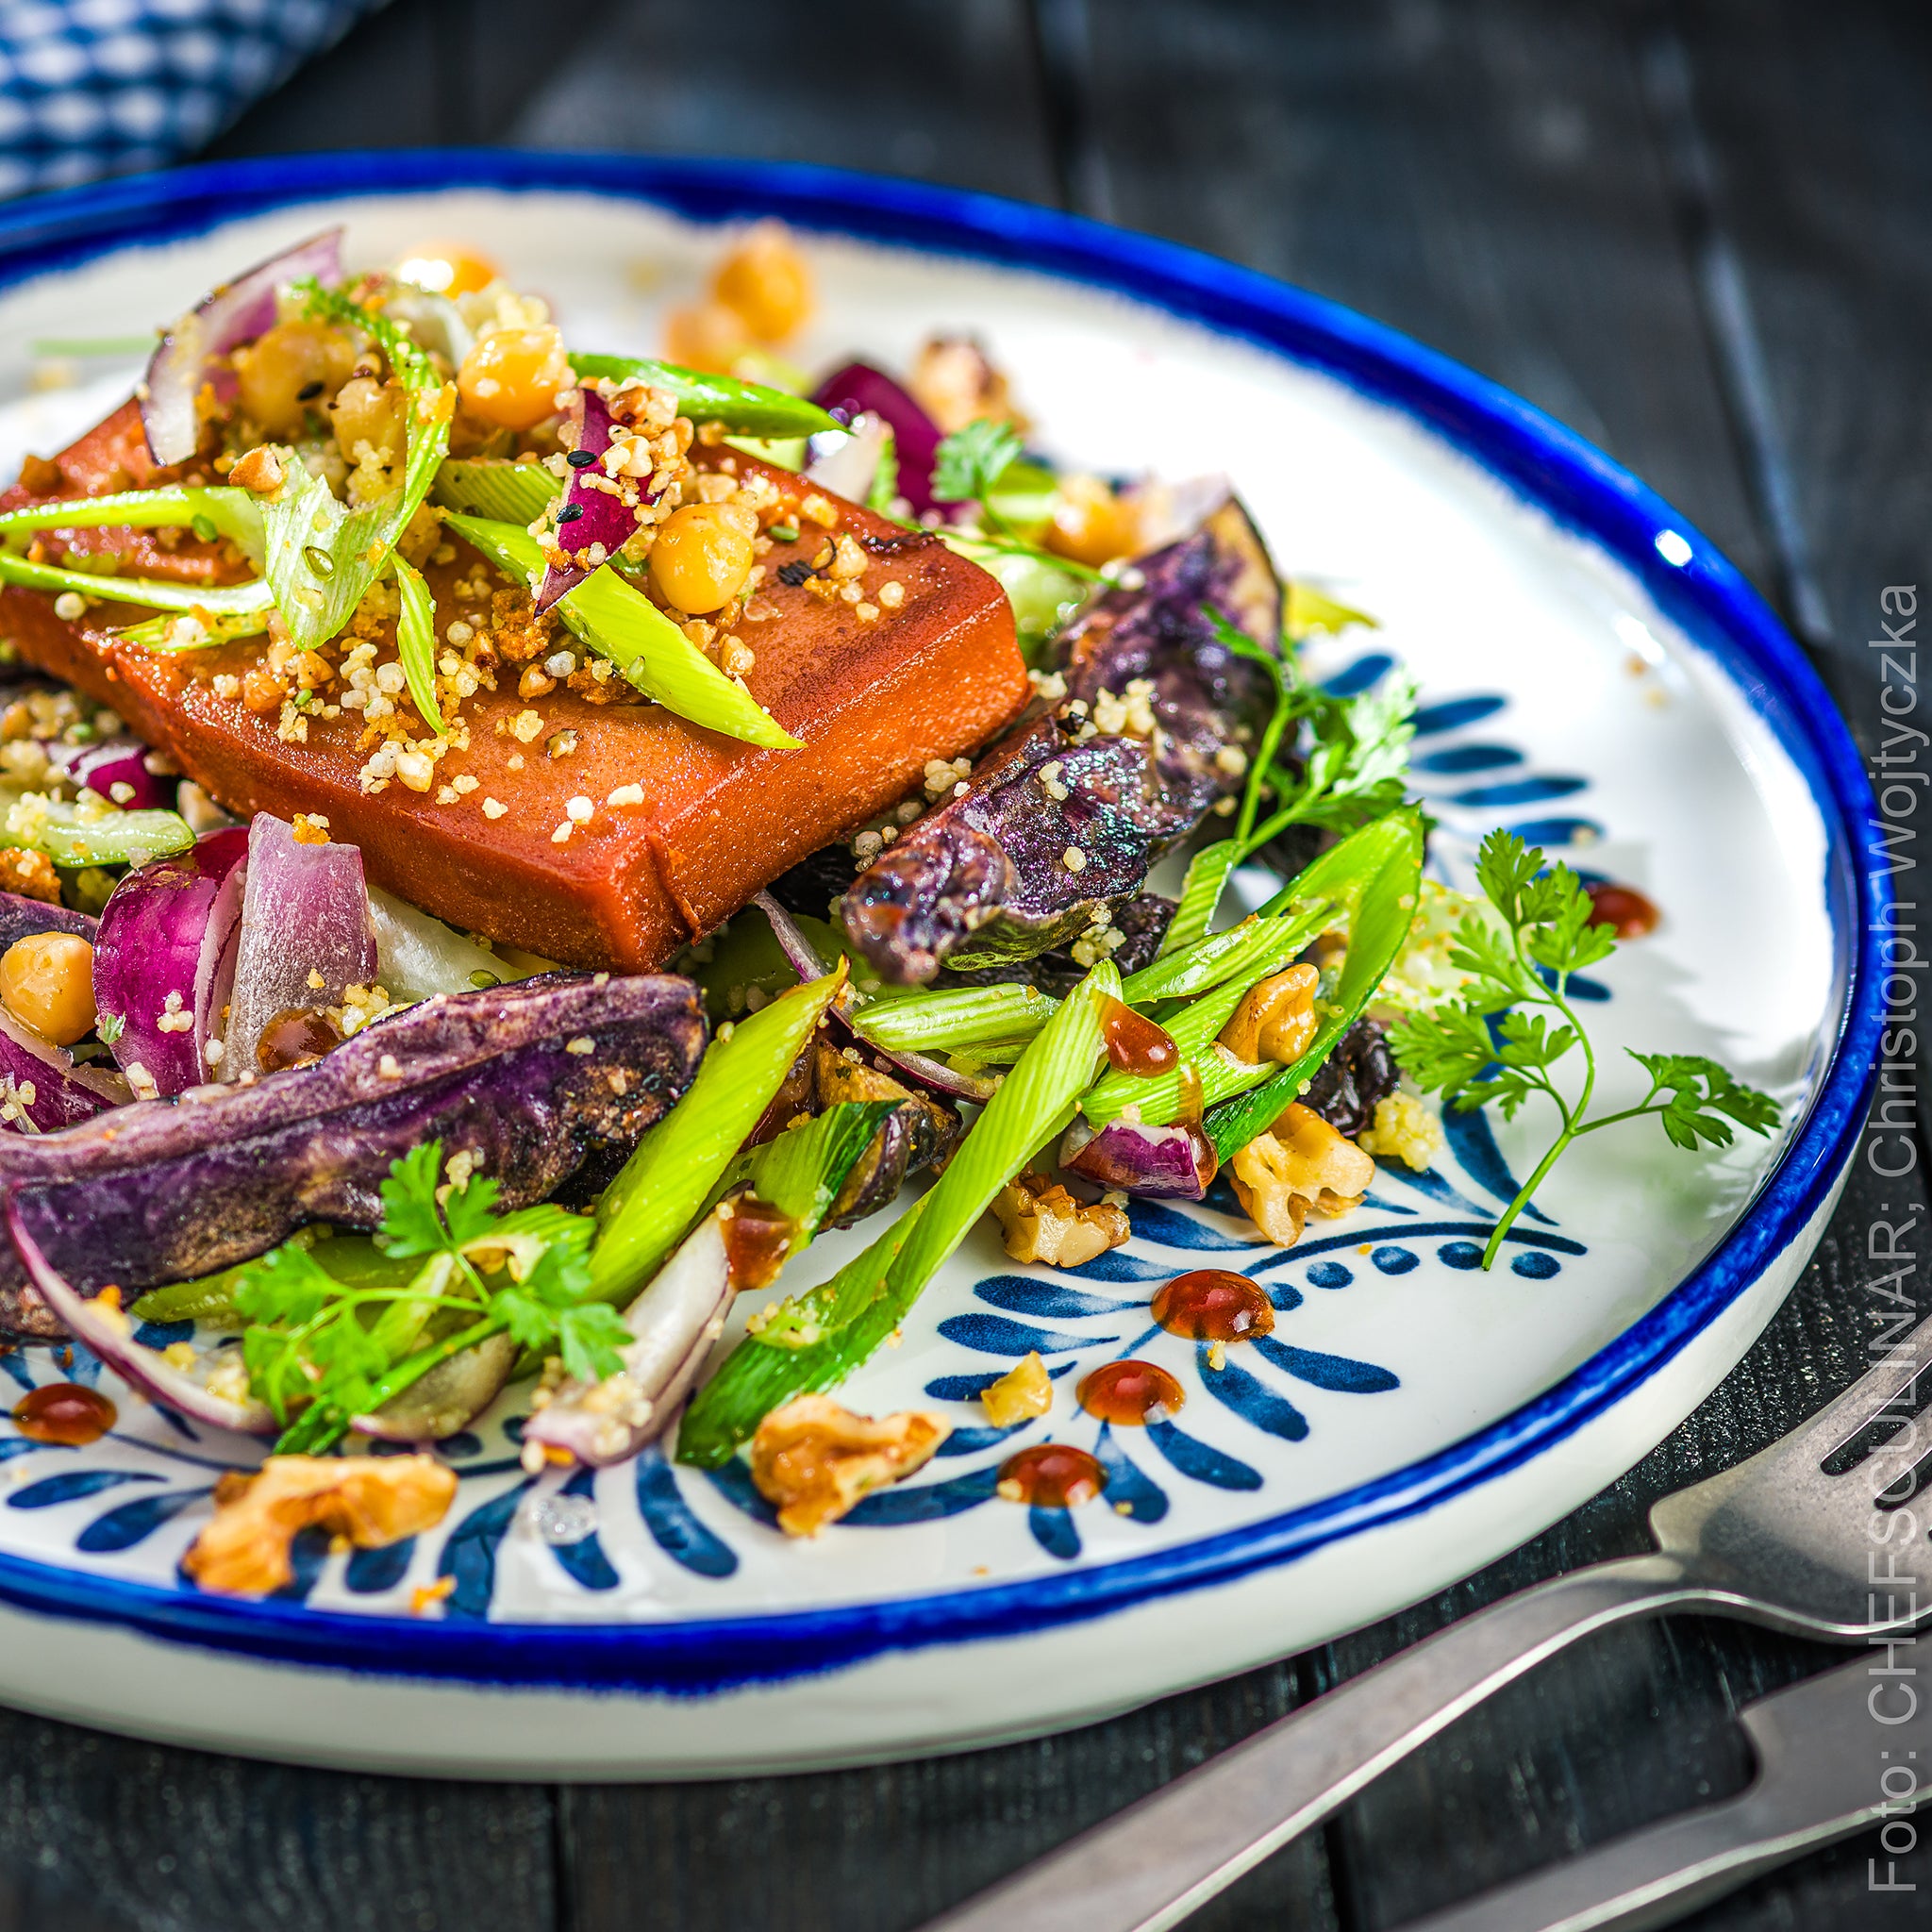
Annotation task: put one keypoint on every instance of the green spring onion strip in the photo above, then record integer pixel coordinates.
(416, 641)
(222, 599)
(939, 1022)
(801, 1171)
(488, 487)
(169, 635)
(88, 834)
(1385, 859)
(818, 1338)
(1236, 952)
(1201, 890)
(229, 512)
(749, 408)
(618, 622)
(664, 1185)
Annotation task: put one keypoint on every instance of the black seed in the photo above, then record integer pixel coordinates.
(570, 513)
(308, 391)
(797, 573)
(579, 458)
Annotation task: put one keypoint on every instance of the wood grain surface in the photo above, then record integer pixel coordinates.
(1699, 232)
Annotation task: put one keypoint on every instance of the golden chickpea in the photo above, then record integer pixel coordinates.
(47, 982)
(700, 559)
(446, 268)
(706, 335)
(512, 378)
(765, 280)
(292, 367)
(1090, 524)
(368, 411)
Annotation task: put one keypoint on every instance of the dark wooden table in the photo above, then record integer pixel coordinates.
(1699, 232)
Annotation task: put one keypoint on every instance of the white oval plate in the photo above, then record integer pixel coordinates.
(1593, 674)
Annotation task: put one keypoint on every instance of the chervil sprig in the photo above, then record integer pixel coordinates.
(970, 466)
(1501, 1041)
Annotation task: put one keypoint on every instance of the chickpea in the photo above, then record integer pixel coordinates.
(765, 280)
(292, 368)
(700, 559)
(368, 411)
(47, 982)
(512, 378)
(706, 335)
(1091, 525)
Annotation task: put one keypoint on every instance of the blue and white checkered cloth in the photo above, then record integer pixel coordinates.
(91, 88)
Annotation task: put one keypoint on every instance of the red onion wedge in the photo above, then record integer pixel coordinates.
(846, 461)
(22, 917)
(104, 1328)
(599, 517)
(115, 762)
(238, 311)
(44, 1089)
(924, 1075)
(1173, 1163)
(156, 956)
(675, 1320)
(859, 389)
(305, 936)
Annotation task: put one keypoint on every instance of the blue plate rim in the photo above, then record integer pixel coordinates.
(1539, 458)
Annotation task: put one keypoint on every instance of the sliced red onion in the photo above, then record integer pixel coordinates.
(305, 935)
(675, 1320)
(22, 917)
(450, 1398)
(846, 461)
(859, 389)
(601, 518)
(1173, 1163)
(113, 761)
(146, 1370)
(924, 1075)
(159, 941)
(63, 1090)
(238, 311)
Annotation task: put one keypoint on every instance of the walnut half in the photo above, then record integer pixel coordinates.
(372, 1500)
(815, 1459)
(1043, 1222)
(1300, 1163)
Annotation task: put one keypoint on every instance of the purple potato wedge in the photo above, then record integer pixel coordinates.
(22, 917)
(531, 1077)
(1060, 825)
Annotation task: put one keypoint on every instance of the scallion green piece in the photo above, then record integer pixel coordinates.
(1201, 890)
(504, 492)
(958, 1017)
(90, 834)
(618, 622)
(416, 641)
(1235, 952)
(196, 631)
(749, 408)
(664, 1185)
(222, 599)
(233, 512)
(851, 1315)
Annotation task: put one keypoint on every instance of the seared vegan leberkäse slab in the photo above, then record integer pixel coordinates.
(932, 672)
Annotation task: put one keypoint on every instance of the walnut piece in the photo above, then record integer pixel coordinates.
(955, 384)
(372, 1500)
(1275, 1021)
(1023, 1392)
(815, 1459)
(1042, 1222)
(1300, 1163)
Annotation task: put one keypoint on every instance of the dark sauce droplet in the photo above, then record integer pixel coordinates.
(296, 1037)
(1135, 1044)
(1131, 1392)
(1624, 908)
(1052, 1475)
(757, 1240)
(1214, 1304)
(64, 1412)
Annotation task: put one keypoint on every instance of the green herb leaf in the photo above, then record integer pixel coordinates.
(968, 463)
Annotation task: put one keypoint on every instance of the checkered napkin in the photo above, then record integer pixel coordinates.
(104, 86)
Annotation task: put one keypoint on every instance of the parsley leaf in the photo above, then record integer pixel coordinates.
(968, 463)
(1501, 1040)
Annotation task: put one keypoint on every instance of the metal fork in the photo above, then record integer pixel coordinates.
(1776, 1541)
